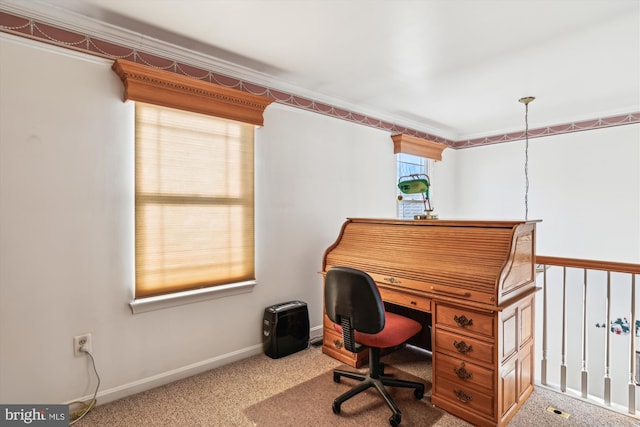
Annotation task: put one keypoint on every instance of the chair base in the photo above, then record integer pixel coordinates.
(375, 378)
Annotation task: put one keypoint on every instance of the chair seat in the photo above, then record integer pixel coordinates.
(397, 330)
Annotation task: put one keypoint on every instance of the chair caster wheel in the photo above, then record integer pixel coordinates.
(336, 408)
(336, 377)
(395, 420)
(418, 393)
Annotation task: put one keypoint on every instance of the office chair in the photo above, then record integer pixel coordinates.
(354, 305)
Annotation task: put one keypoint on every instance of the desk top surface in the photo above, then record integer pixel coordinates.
(499, 223)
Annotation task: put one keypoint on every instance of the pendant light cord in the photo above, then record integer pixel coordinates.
(526, 100)
(526, 161)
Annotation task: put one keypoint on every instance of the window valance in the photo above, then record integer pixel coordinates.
(146, 84)
(408, 144)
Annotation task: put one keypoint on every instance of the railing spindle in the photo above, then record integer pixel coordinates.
(632, 356)
(585, 372)
(563, 365)
(607, 346)
(543, 367)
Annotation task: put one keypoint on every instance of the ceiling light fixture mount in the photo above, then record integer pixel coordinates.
(526, 100)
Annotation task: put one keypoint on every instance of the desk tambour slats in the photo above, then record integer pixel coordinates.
(460, 255)
(476, 278)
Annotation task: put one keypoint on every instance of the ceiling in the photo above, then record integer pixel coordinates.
(452, 68)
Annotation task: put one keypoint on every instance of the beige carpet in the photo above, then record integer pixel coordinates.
(220, 397)
(309, 404)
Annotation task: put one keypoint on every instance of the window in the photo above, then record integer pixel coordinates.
(414, 156)
(411, 204)
(194, 186)
(194, 201)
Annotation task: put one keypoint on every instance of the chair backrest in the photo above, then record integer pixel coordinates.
(353, 301)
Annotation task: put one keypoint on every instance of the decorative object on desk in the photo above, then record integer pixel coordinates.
(526, 100)
(414, 184)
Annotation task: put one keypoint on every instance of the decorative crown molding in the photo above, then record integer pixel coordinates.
(49, 26)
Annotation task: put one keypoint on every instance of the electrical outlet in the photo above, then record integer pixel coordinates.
(82, 341)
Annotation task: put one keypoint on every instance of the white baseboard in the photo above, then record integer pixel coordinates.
(315, 332)
(163, 378)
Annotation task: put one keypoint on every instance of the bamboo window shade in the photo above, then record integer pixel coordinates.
(194, 180)
(193, 201)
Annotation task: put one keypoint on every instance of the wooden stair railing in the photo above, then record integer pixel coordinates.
(625, 274)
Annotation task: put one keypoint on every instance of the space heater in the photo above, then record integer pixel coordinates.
(285, 328)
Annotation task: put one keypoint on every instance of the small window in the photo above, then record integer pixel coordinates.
(409, 165)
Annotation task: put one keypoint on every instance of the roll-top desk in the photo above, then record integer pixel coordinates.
(476, 280)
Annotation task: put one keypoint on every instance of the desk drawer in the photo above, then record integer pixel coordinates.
(333, 345)
(467, 320)
(463, 372)
(465, 348)
(465, 397)
(405, 299)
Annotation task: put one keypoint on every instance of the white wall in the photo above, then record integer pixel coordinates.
(584, 186)
(312, 173)
(66, 230)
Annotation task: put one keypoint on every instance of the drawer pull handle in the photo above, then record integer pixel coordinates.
(462, 396)
(462, 373)
(392, 280)
(462, 347)
(338, 344)
(413, 302)
(462, 321)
